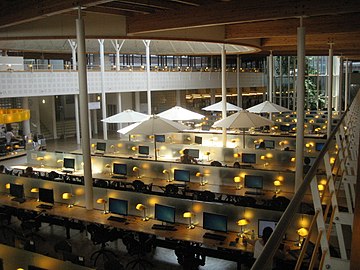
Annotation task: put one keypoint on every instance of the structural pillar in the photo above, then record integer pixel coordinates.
(77, 122)
(271, 77)
(103, 94)
(300, 102)
(178, 97)
(346, 86)
(117, 48)
(119, 107)
(73, 46)
(26, 123)
(238, 89)
(137, 101)
(330, 90)
(340, 90)
(84, 111)
(147, 46)
(223, 91)
(53, 112)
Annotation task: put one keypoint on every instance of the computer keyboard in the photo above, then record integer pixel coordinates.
(44, 206)
(67, 171)
(249, 192)
(119, 177)
(143, 156)
(117, 219)
(213, 236)
(163, 227)
(19, 200)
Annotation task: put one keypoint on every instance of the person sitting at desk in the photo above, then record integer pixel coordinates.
(236, 164)
(261, 145)
(29, 172)
(10, 137)
(186, 158)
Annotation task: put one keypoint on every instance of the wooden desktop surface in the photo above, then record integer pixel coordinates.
(134, 223)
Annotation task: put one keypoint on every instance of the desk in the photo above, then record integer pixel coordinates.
(15, 258)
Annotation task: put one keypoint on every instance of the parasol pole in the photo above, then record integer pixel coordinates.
(244, 138)
(155, 147)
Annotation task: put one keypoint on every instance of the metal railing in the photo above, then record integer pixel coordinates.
(339, 177)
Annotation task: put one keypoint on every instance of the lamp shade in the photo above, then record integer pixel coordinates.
(101, 200)
(277, 183)
(199, 174)
(243, 222)
(107, 165)
(7, 185)
(165, 171)
(187, 215)
(140, 207)
(303, 232)
(34, 190)
(237, 179)
(135, 169)
(67, 196)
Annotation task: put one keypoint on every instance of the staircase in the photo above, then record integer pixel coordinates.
(64, 129)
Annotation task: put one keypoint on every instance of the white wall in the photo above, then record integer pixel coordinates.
(15, 63)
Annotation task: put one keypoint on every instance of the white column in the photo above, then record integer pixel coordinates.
(330, 88)
(77, 122)
(103, 94)
(26, 123)
(300, 102)
(346, 86)
(38, 123)
(73, 46)
(318, 82)
(178, 97)
(288, 86)
(340, 84)
(84, 111)
(117, 48)
(280, 81)
(137, 101)
(94, 119)
(119, 107)
(53, 112)
(223, 91)
(147, 46)
(271, 77)
(238, 89)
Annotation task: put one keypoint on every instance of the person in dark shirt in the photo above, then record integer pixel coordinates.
(186, 158)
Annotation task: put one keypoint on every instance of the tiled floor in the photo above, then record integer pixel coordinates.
(161, 258)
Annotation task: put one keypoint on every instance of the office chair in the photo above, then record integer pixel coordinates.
(216, 163)
(245, 201)
(101, 183)
(8, 233)
(100, 235)
(139, 186)
(207, 196)
(189, 256)
(139, 248)
(113, 264)
(171, 190)
(62, 247)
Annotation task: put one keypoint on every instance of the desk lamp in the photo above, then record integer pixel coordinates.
(237, 180)
(242, 222)
(277, 183)
(102, 201)
(68, 196)
(108, 166)
(142, 207)
(60, 161)
(207, 153)
(35, 190)
(302, 232)
(189, 215)
(168, 175)
(7, 186)
(137, 170)
(202, 176)
(93, 146)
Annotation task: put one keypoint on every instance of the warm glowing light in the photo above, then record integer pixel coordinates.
(236, 155)
(262, 157)
(269, 155)
(135, 169)
(277, 183)
(7, 185)
(332, 160)
(237, 179)
(67, 196)
(303, 232)
(292, 159)
(165, 171)
(207, 153)
(39, 158)
(134, 148)
(243, 222)
(280, 178)
(60, 161)
(101, 201)
(107, 165)
(140, 207)
(321, 187)
(34, 190)
(199, 174)
(323, 182)
(187, 215)
(93, 145)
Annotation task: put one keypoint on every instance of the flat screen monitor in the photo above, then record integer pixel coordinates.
(69, 163)
(263, 223)
(46, 195)
(117, 206)
(32, 267)
(159, 138)
(269, 144)
(253, 181)
(101, 146)
(285, 128)
(119, 169)
(194, 153)
(182, 175)
(214, 222)
(17, 190)
(248, 158)
(319, 146)
(144, 150)
(198, 140)
(165, 213)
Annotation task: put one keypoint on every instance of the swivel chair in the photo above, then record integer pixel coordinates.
(139, 248)
(207, 196)
(139, 186)
(100, 235)
(171, 190)
(189, 256)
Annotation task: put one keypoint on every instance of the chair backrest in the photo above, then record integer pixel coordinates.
(139, 185)
(171, 189)
(216, 163)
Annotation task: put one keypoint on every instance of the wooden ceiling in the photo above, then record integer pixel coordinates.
(271, 25)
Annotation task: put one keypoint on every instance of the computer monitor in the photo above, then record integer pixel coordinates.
(253, 181)
(159, 138)
(69, 163)
(198, 140)
(46, 195)
(33, 267)
(319, 146)
(17, 190)
(165, 213)
(117, 206)
(101, 146)
(214, 222)
(144, 150)
(248, 158)
(182, 175)
(269, 144)
(263, 223)
(285, 128)
(194, 153)
(119, 169)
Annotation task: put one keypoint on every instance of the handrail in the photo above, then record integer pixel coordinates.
(276, 237)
